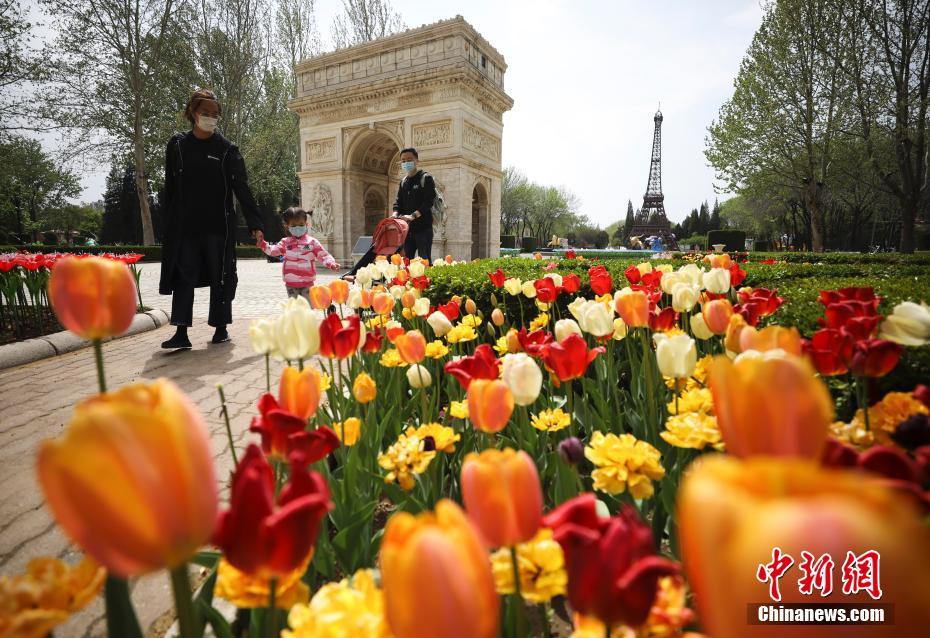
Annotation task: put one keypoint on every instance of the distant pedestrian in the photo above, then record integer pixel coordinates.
(300, 251)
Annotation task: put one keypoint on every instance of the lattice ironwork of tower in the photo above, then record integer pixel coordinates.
(651, 220)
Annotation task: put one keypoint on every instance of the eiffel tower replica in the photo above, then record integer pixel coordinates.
(651, 220)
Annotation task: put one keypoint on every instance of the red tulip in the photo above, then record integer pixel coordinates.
(497, 277)
(862, 293)
(260, 539)
(309, 447)
(420, 283)
(481, 365)
(600, 279)
(570, 358)
(922, 394)
(571, 283)
(874, 357)
(652, 279)
(339, 337)
(450, 310)
(283, 432)
(666, 319)
(829, 350)
(613, 568)
(569, 254)
(373, 341)
(737, 275)
(534, 342)
(632, 274)
(546, 291)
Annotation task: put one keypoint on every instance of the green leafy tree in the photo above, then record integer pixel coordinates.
(31, 182)
(20, 67)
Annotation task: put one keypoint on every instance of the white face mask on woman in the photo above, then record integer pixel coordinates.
(206, 124)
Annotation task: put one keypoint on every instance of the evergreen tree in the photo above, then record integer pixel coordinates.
(715, 222)
(628, 222)
(122, 223)
(704, 217)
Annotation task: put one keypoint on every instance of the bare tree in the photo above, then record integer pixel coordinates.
(297, 33)
(109, 64)
(364, 21)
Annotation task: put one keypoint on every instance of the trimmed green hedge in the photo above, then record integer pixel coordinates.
(152, 253)
(905, 278)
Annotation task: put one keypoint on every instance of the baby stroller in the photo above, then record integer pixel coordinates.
(388, 238)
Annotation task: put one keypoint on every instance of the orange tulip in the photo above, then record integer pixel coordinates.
(320, 297)
(339, 290)
(490, 404)
(131, 480)
(470, 306)
(437, 576)
(501, 493)
(396, 259)
(497, 317)
(717, 313)
(408, 299)
(299, 391)
(513, 341)
(771, 338)
(718, 260)
(411, 346)
(734, 329)
(93, 297)
(402, 276)
(770, 406)
(732, 513)
(633, 307)
(383, 303)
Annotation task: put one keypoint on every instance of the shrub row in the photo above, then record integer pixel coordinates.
(152, 253)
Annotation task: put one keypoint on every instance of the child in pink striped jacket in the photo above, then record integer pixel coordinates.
(300, 251)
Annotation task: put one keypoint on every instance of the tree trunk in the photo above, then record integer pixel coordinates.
(142, 189)
(812, 203)
(908, 216)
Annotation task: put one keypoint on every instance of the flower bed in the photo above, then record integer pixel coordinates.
(25, 311)
(470, 450)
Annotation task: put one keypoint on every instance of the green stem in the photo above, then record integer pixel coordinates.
(187, 614)
(98, 357)
(121, 618)
(547, 627)
(267, 372)
(607, 631)
(650, 386)
(862, 397)
(518, 629)
(271, 616)
(232, 445)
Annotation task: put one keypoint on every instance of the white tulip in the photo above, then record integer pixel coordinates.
(297, 330)
(699, 328)
(644, 267)
(416, 268)
(908, 324)
(261, 335)
(620, 329)
(694, 273)
(717, 280)
(685, 296)
(421, 307)
(419, 377)
(556, 279)
(676, 355)
(397, 291)
(670, 279)
(513, 286)
(529, 289)
(576, 303)
(565, 327)
(523, 377)
(439, 323)
(596, 318)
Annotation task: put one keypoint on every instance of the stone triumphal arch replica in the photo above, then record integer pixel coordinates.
(439, 88)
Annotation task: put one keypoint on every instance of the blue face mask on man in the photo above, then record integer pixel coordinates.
(408, 167)
(298, 231)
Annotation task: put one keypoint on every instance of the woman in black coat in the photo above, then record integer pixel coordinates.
(202, 172)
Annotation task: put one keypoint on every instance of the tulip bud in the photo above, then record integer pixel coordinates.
(470, 307)
(513, 341)
(565, 327)
(717, 313)
(571, 450)
(523, 377)
(497, 317)
(419, 377)
(93, 297)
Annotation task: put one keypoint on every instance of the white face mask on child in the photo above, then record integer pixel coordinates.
(298, 231)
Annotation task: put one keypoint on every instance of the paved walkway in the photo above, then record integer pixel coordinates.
(36, 403)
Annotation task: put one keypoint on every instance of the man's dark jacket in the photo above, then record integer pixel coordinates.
(417, 193)
(236, 181)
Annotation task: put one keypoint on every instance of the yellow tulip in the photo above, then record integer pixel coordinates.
(364, 389)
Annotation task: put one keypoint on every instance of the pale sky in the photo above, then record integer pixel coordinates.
(586, 77)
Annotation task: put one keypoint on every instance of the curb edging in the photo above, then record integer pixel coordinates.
(44, 347)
